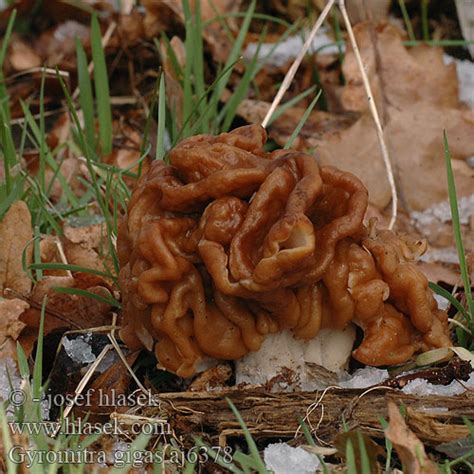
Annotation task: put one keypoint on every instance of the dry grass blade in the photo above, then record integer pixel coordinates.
(375, 114)
(294, 67)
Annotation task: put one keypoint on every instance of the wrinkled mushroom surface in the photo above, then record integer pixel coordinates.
(230, 243)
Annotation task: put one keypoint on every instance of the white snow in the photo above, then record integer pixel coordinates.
(79, 349)
(366, 377)
(465, 71)
(9, 378)
(442, 302)
(423, 387)
(441, 211)
(282, 458)
(289, 48)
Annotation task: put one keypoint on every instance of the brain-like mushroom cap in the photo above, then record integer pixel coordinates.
(229, 243)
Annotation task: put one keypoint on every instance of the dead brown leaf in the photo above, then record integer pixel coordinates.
(409, 448)
(63, 310)
(22, 56)
(15, 236)
(162, 15)
(10, 325)
(416, 108)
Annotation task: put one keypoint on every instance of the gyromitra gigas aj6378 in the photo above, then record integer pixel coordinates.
(229, 243)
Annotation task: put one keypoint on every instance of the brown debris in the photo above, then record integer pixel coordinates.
(409, 448)
(16, 234)
(277, 416)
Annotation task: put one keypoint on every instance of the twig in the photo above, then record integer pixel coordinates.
(84, 381)
(375, 114)
(296, 63)
(120, 353)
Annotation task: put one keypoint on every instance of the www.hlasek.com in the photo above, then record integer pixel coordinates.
(80, 427)
(121, 458)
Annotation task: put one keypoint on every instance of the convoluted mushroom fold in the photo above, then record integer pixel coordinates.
(229, 243)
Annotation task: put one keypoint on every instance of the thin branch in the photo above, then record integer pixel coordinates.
(375, 115)
(296, 63)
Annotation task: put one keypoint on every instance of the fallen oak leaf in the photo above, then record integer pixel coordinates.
(162, 15)
(417, 107)
(409, 448)
(64, 310)
(15, 235)
(10, 324)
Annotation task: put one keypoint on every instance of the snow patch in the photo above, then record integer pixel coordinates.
(423, 387)
(366, 377)
(289, 48)
(465, 71)
(79, 350)
(441, 212)
(282, 458)
(9, 378)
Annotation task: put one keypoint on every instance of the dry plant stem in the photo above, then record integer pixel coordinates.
(84, 381)
(59, 246)
(120, 353)
(294, 67)
(375, 114)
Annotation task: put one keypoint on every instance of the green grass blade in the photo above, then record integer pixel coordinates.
(101, 84)
(424, 19)
(86, 99)
(259, 464)
(234, 56)
(87, 294)
(160, 139)
(198, 59)
(69, 267)
(453, 201)
(287, 105)
(3, 52)
(23, 366)
(307, 434)
(439, 290)
(38, 368)
(388, 447)
(302, 121)
(407, 20)
(230, 109)
(351, 464)
(11, 466)
(364, 457)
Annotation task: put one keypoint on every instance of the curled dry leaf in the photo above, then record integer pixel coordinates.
(416, 107)
(15, 235)
(409, 448)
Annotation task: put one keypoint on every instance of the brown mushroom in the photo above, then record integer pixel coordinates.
(229, 243)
